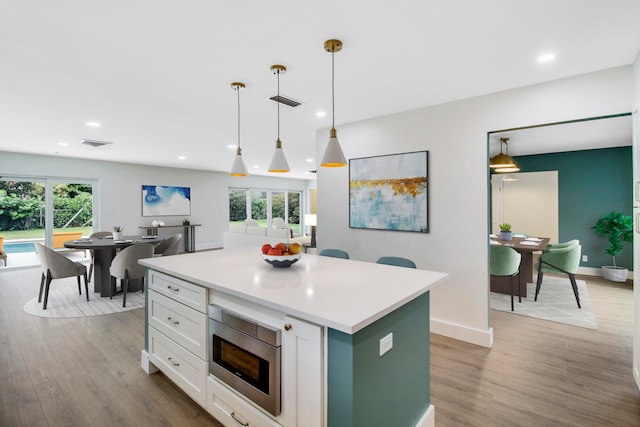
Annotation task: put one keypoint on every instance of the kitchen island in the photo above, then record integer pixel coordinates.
(355, 347)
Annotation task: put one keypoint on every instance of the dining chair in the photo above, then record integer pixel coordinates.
(334, 253)
(398, 261)
(505, 261)
(96, 235)
(125, 267)
(57, 266)
(563, 258)
(170, 246)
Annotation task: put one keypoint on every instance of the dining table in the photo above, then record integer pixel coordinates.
(526, 246)
(104, 249)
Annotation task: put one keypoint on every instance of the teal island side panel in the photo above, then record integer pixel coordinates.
(366, 389)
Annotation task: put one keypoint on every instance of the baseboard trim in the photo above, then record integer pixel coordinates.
(479, 337)
(592, 271)
(146, 365)
(429, 418)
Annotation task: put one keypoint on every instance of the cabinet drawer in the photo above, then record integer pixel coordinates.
(232, 410)
(191, 295)
(186, 326)
(182, 367)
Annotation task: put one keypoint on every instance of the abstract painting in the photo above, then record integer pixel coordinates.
(165, 200)
(389, 192)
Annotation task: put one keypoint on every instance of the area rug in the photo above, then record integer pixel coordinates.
(556, 303)
(64, 301)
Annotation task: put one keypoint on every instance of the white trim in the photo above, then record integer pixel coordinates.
(591, 271)
(146, 365)
(479, 337)
(429, 418)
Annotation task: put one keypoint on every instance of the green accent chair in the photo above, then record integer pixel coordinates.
(334, 253)
(505, 261)
(397, 261)
(563, 258)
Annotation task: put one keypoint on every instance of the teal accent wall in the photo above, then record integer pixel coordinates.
(591, 183)
(365, 389)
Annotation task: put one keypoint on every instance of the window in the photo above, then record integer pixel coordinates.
(264, 205)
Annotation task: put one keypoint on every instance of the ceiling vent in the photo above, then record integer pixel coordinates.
(285, 101)
(94, 143)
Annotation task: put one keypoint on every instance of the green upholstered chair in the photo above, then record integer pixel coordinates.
(400, 262)
(504, 261)
(563, 258)
(334, 253)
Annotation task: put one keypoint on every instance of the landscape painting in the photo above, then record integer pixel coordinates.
(389, 192)
(165, 200)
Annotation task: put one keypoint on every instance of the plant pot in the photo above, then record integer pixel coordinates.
(616, 274)
(506, 235)
(117, 235)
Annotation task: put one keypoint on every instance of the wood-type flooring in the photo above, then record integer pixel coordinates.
(86, 371)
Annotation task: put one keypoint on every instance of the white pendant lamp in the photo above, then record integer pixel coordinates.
(333, 155)
(278, 161)
(238, 168)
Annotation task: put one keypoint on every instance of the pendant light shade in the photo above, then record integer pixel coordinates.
(238, 167)
(504, 163)
(333, 155)
(278, 161)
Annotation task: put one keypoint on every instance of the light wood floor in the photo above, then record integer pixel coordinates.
(541, 373)
(86, 372)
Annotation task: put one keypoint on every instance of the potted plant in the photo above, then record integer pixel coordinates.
(505, 231)
(117, 232)
(618, 228)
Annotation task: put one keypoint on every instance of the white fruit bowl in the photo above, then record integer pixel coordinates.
(282, 261)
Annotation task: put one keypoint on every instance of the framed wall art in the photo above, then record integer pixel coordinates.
(389, 192)
(166, 200)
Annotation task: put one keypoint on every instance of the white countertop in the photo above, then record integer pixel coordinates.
(345, 295)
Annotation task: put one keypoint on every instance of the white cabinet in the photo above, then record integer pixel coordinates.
(302, 371)
(177, 332)
(302, 384)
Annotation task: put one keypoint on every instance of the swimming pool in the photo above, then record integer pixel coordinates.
(19, 247)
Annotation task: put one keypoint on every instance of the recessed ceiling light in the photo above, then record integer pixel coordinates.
(256, 166)
(63, 144)
(232, 146)
(93, 124)
(546, 57)
(321, 114)
(309, 160)
(182, 157)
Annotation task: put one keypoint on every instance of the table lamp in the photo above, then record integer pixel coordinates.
(312, 220)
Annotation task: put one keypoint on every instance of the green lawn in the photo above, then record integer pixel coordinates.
(36, 233)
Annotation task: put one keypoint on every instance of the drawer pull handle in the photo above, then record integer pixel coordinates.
(175, 322)
(233, 415)
(172, 362)
(171, 288)
(287, 327)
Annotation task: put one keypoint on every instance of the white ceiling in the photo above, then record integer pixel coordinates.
(156, 73)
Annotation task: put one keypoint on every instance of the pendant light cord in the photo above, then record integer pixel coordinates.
(278, 71)
(238, 90)
(333, 95)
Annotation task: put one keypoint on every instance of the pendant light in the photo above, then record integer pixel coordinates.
(278, 161)
(238, 168)
(504, 163)
(333, 155)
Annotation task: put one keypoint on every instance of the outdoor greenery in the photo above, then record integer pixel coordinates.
(238, 205)
(22, 206)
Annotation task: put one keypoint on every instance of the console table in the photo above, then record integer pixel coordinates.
(189, 234)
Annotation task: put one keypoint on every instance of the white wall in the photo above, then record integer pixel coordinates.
(119, 187)
(456, 136)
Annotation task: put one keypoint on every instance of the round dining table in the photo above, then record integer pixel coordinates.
(104, 250)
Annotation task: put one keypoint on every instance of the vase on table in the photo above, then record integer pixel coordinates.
(117, 235)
